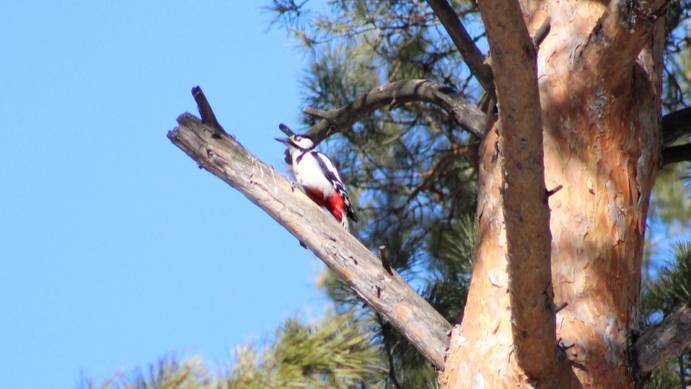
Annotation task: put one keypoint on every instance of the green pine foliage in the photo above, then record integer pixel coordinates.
(337, 353)
(670, 290)
(665, 377)
(168, 373)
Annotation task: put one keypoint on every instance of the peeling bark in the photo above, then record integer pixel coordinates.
(521, 280)
(601, 144)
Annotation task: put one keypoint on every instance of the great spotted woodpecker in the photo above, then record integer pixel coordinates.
(317, 176)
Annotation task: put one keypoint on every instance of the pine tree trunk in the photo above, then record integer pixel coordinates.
(600, 119)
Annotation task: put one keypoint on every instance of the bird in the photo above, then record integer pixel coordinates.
(317, 176)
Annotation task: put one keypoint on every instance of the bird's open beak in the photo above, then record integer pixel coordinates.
(285, 129)
(285, 141)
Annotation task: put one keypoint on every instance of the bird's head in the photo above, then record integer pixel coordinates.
(295, 141)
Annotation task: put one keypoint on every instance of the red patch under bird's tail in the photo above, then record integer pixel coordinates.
(336, 205)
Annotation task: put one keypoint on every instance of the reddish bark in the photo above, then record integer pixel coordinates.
(601, 142)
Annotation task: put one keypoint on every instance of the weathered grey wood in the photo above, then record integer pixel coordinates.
(668, 339)
(387, 293)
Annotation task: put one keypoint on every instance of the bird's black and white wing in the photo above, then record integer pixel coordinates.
(331, 173)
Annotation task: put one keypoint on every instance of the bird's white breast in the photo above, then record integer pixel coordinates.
(309, 173)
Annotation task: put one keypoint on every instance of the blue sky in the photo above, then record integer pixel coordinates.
(115, 249)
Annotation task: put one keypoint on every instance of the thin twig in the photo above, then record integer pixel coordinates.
(464, 43)
(541, 33)
(389, 353)
(560, 307)
(384, 256)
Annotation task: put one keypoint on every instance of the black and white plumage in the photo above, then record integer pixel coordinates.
(317, 176)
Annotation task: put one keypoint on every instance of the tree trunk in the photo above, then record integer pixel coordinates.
(600, 118)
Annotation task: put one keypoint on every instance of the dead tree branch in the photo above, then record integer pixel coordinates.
(205, 111)
(675, 125)
(674, 154)
(667, 340)
(464, 43)
(525, 211)
(387, 293)
(466, 114)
